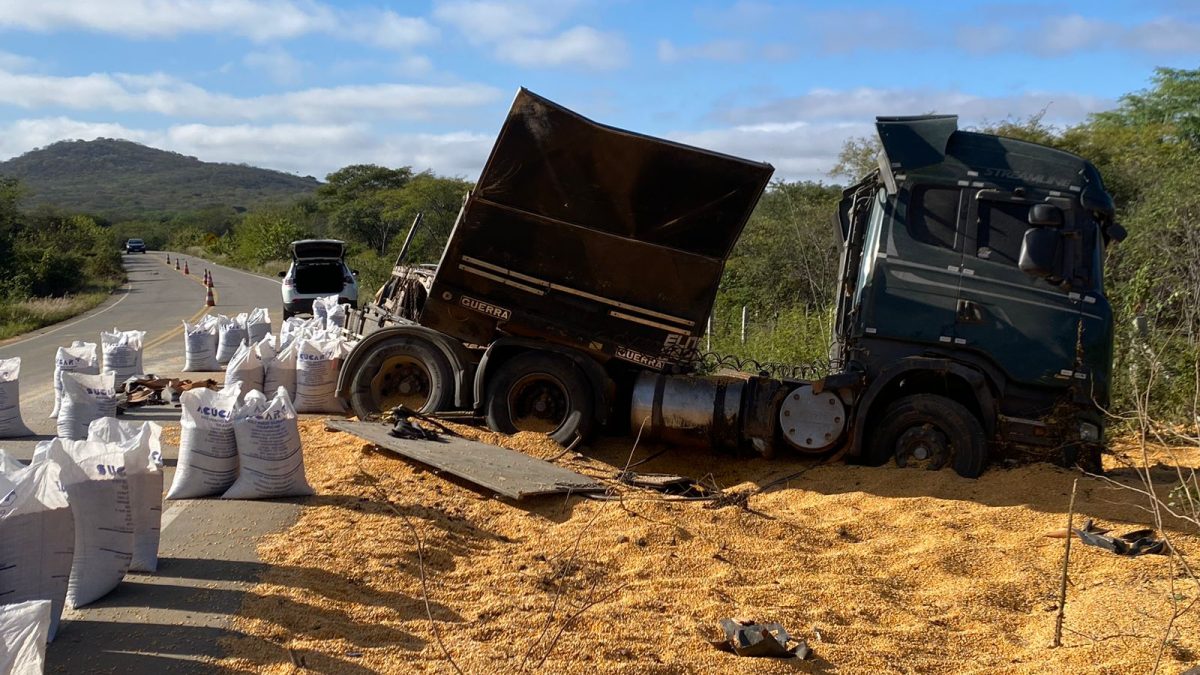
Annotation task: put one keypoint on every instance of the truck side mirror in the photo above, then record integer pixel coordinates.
(1039, 251)
(1045, 215)
(1116, 232)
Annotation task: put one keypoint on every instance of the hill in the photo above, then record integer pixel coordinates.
(120, 179)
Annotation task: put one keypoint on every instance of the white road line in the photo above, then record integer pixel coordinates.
(85, 317)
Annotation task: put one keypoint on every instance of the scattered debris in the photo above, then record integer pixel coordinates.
(748, 638)
(508, 472)
(668, 483)
(1135, 543)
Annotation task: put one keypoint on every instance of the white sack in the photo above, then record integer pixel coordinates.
(80, 357)
(258, 324)
(208, 462)
(231, 333)
(11, 424)
(246, 369)
(200, 345)
(280, 371)
(37, 538)
(317, 363)
(269, 452)
(24, 631)
(142, 446)
(93, 475)
(85, 398)
(122, 353)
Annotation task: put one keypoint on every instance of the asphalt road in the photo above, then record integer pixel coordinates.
(165, 622)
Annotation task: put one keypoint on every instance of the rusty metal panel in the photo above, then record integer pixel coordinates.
(507, 472)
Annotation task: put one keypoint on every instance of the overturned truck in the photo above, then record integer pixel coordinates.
(971, 321)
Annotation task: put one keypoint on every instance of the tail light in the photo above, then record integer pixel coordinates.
(348, 279)
(289, 282)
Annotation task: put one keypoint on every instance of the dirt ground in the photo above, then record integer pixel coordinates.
(879, 569)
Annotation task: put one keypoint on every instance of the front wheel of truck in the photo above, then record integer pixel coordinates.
(403, 371)
(541, 392)
(929, 431)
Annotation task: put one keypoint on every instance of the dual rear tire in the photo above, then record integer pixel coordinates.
(532, 391)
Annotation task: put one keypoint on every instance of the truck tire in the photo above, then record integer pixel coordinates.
(931, 431)
(536, 391)
(407, 371)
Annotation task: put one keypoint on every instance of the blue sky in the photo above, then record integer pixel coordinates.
(307, 86)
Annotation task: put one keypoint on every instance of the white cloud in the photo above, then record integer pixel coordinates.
(1073, 33)
(302, 149)
(15, 62)
(716, 50)
(578, 46)
(523, 32)
(866, 103)
(166, 95)
(278, 64)
(802, 135)
(259, 20)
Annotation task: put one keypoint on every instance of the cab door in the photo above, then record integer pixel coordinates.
(1028, 326)
(915, 284)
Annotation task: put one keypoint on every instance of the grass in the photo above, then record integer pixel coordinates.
(23, 316)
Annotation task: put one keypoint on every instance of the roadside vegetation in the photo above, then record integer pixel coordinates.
(55, 265)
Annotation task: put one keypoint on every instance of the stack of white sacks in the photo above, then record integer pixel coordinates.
(73, 522)
(243, 442)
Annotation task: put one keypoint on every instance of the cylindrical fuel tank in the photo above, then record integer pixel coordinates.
(698, 411)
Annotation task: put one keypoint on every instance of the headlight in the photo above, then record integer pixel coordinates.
(1089, 432)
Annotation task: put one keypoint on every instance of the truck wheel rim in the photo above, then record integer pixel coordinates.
(538, 402)
(401, 380)
(923, 446)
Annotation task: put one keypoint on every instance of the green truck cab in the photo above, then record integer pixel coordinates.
(972, 309)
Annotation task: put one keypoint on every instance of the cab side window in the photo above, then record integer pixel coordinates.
(933, 216)
(1002, 226)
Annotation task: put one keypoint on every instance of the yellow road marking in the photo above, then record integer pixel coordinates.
(178, 330)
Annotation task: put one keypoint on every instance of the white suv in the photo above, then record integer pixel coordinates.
(318, 269)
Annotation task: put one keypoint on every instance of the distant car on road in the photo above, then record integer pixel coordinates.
(135, 246)
(318, 269)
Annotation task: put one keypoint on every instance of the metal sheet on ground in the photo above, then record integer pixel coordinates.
(501, 470)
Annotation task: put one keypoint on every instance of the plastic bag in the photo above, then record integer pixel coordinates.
(258, 325)
(37, 538)
(85, 398)
(200, 345)
(246, 369)
(143, 469)
(11, 424)
(269, 452)
(80, 357)
(317, 363)
(93, 475)
(208, 462)
(231, 333)
(24, 632)
(122, 353)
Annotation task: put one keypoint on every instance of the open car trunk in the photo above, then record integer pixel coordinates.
(325, 277)
(593, 237)
(318, 248)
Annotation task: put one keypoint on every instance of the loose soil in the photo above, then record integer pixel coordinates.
(879, 569)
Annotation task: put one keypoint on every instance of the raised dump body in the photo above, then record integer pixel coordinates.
(591, 237)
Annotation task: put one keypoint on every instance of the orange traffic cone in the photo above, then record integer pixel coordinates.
(176, 263)
(185, 268)
(209, 300)
(168, 258)
(207, 281)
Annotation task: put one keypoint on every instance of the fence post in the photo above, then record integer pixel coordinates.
(743, 324)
